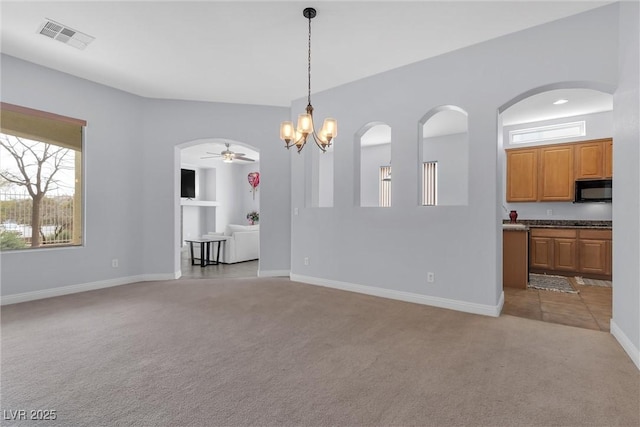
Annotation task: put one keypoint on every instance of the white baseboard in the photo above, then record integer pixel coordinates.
(83, 287)
(626, 343)
(467, 307)
(274, 273)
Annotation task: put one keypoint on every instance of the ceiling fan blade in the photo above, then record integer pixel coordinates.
(209, 157)
(243, 158)
(239, 154)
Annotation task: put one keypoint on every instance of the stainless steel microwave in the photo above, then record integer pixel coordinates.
(593, 190)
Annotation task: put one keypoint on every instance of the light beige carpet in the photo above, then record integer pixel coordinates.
(269, 352)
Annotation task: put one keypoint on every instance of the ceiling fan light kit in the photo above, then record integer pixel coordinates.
(297, 136)
(228, 156)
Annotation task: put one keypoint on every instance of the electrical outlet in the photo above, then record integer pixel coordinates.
(306, 260)
(114, 263)
(431, 277)
(549, 212)
(295, 211)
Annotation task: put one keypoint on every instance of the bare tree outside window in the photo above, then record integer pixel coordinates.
(39, 169)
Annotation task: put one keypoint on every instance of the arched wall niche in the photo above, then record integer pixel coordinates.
(372, 165)
(443, 157)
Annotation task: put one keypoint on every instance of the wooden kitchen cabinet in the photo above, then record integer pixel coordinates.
(515, 271)
(548, 173)
(553, 249)
(541, 250)
(594, 159)
(584, 252)
(589, 160)
(594, 252)
(564, 254)
(556, 173)
(608, 158)
(522, 175)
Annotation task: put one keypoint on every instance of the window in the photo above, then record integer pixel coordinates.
(545, 133)
(430, 183)
(40, 179)
(385, 187)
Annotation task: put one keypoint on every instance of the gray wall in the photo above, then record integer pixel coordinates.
(113, 175)
(325, 179)
(626, 185)
(171, 123)
(598, 125)
(132, 177)
(460, 244)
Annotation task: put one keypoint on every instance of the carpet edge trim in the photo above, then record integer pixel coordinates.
(464, 306)
(82, 287)
(625, 343)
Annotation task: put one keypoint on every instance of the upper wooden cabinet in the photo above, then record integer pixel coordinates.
(547, 173)
(522, 175)
(589, 160)
(593, 159)
(556, 173)
(608, 158)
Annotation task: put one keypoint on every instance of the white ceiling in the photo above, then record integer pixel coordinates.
(255, 52)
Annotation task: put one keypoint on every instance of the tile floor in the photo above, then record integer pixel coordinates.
(589, 309)
(241, 269)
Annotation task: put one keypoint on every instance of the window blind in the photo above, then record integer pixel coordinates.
(430, 183)
(41, 126)
(385, 187)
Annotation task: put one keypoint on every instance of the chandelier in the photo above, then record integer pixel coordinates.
(298, 136)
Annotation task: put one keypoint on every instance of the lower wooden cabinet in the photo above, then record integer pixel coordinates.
(581, 252)
(541, 250)
(564, 254)
(514, 259)
(595, 252)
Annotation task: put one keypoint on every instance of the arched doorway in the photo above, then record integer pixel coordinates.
(548, 133)
(225, 201)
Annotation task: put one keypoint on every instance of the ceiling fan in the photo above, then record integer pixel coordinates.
(228, 156)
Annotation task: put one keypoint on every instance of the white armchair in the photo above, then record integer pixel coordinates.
(243, 243)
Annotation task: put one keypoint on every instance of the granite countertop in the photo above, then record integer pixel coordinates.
(543, 223)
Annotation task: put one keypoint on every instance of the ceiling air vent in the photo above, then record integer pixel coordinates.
(64, 34)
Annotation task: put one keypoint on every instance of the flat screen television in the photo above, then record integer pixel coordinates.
(188, 183)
